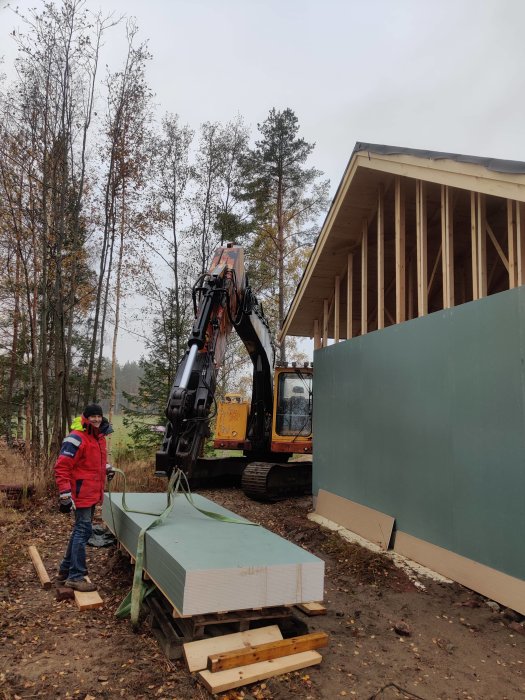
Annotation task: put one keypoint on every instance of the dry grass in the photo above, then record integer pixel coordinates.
(14, 469)
(16, 472)
(140, 477)
(8, 515)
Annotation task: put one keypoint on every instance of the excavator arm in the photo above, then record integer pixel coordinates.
(222, 301)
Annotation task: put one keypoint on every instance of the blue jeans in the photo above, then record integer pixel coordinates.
(74, 561)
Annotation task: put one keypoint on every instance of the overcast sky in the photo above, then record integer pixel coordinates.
(443, 75)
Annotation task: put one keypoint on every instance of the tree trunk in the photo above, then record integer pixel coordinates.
(14, 366)
(117, 310)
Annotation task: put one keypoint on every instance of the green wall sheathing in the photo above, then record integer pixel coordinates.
(424, 421)
(204, 565)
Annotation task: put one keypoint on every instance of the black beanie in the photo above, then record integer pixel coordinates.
(93, 409)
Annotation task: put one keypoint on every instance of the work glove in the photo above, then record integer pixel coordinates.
(110, 472)
(65, 503)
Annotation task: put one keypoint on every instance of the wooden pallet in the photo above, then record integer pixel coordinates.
(172, 632)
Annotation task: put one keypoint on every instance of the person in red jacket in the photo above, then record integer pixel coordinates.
(80, 474)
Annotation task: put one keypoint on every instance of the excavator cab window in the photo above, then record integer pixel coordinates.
(294, 404)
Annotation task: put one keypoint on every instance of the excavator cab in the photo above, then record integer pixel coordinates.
(292, 415)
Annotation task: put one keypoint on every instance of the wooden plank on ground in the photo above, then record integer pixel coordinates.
(196, 653)
(367, 522)
(237, 677)
(39, 567)
(264, 652)
(311, 609)
(88, 601)
(504, 589)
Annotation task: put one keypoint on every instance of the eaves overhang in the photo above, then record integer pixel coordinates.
(370, 166)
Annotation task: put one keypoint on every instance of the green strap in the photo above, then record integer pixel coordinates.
(124, 608)
(178, 482)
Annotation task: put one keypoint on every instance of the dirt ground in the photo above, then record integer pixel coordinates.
(389, 638)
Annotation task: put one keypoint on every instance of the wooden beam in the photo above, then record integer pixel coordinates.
(511, 238)
(312, 609)
(496, 245)
(265, 652)
(244, 675)
(434, 270)
(39, 567)
(400, 250)
(381, 257)
(474, 243)
(520, 242)
(337, 285)
(349, 295)
(364, 278)
(447, 246)
(325, 322)
(317, 335)
(389, 316)
(411, 286)
(196, 653)
(482, 246)
(421, 248)
(88, 601)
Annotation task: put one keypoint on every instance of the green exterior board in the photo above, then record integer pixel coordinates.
(424, 421)
(199, 562)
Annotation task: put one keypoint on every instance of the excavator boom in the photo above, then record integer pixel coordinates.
(222, 300)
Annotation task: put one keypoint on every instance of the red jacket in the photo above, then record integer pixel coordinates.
(81, 464)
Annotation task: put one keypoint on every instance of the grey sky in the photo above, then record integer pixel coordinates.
(445, 75)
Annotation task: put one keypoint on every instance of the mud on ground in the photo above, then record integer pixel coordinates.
(389, 638)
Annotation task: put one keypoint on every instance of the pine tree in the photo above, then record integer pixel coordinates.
(285, 198)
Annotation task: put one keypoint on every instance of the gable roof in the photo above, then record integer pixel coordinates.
(370, 166)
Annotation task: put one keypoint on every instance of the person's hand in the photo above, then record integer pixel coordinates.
(110, 472)
(65, 503)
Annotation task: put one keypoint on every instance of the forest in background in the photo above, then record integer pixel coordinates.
(103, 197)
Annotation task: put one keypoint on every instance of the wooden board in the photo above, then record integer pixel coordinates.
(87, 601)
(39, 567)
(369, 523)
(311, 609)
(265, 652)
(203, 565)
(237, 677)
(196, 653)
(504, 589)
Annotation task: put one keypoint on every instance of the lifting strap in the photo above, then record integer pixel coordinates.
(141, 589)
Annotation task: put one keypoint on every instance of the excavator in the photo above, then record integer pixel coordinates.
(270, 431)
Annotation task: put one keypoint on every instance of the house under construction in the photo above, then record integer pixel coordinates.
(419, 416)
